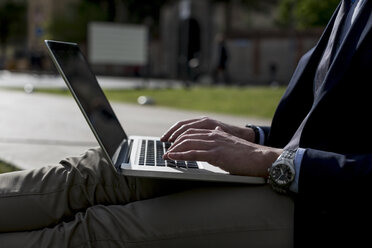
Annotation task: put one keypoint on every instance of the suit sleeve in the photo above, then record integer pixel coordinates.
(266, 130)
(333, 176)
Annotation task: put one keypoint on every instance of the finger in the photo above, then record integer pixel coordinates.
(193, 133)
(188, 145)
(192, 144)
(202, 134)
(175, 127)
(191, 156)
(198, 124)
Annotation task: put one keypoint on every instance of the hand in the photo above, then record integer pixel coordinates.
(208, 124)
(232, 154)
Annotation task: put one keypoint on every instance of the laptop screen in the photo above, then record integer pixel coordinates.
(89, 95)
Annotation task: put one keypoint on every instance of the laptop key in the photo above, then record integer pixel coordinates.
(159, 154)
(141, 160)
(181, 164)
(150, 157)
(171, 163)
(142, 153)
(192, 165)
(160, 163)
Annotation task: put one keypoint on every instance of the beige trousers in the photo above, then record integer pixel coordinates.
(84, 202)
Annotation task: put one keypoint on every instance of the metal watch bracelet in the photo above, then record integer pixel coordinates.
(282, 172)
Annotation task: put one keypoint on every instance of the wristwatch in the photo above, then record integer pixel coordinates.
(282, 172)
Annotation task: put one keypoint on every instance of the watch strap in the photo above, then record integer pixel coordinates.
(288, 154)
(256, 133)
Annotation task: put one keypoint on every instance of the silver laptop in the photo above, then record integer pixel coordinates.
(138, 156)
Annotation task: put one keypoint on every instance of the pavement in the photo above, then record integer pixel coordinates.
(39, 129)
(35, 80)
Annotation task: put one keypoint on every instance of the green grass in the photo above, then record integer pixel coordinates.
(5, 167)
(241, 101)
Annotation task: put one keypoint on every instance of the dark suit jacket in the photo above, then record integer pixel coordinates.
(335, 182)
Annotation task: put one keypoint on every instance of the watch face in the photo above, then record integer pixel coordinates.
(282, 174)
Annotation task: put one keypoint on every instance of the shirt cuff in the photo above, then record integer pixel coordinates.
(297, 163)
(261, 140)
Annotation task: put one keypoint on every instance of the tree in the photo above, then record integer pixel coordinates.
(139, 10)
(136, 11)
(12, 23)
(301, 14)
(71, 24)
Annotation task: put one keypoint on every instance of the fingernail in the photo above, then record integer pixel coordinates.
(166, 156)
(169, 155)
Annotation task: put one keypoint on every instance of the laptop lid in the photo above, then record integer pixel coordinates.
(82, 82)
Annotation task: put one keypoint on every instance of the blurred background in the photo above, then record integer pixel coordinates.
(241, 42)
(158, 61)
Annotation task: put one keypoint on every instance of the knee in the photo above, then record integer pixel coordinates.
(92, 165)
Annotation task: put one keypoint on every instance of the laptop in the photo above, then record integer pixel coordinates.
(138, 156)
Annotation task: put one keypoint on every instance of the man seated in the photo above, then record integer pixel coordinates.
(319, 140)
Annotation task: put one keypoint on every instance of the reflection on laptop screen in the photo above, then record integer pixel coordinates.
(84, 85)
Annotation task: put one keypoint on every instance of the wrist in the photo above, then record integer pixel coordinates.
(282, 172)
(240, 132)
(261, 158)
(247, 134)
(271, 156)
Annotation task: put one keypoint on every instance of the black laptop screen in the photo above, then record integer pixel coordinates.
(89, 95)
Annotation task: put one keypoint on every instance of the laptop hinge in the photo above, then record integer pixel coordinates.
(124, 154)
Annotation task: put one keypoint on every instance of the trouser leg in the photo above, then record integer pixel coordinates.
(104, 209)
(44, 197)
(216, 216)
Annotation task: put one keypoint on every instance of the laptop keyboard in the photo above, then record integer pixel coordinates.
(152, 152)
